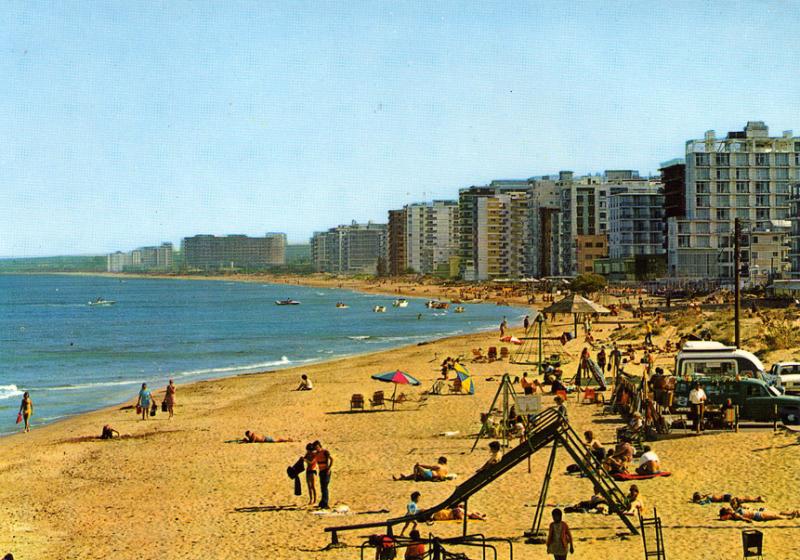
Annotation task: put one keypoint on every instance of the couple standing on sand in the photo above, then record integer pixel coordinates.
(318, 461)
(145, 398)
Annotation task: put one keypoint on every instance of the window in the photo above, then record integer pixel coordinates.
(723, 200)
(742, 200)
(703, 242)
(723, 187)
(782, 188)
(762, 213)
(701, 159)
(781, 200)
(702, 187)
(762, 174)
(762, 187)
(683, 241)
(781, 159)
(703, 174)
(703, 201)
(740, 159)
(703, 214)
(723, 173)
(743, 213)
(762, 160)
(742, 187)
(755, 239)
(599, 245)
(703, 227)
(782, 173)
(741, 173)
(755, 255)
(723, 160)
(797, 158)
(723, 214)
(762, 200)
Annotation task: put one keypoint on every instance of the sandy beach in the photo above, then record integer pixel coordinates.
(179, 489)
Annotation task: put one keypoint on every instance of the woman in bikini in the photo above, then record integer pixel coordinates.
(26, 409)
(751, 515)
(311, 473)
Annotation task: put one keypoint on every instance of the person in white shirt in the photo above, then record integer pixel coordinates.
(648, 462)
(697, 398)
(305, 383)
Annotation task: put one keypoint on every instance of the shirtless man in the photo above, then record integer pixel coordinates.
(700, 498)
(252, 437)
(435, 472)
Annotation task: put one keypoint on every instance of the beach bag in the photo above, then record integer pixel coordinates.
(153, 408)
(164, 407)
(138, 409)
(19, 417)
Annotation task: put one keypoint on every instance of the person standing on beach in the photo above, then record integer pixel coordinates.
(697, 398)
(169, 398)
(559, 537)
(503, 326)
(526, 323)
(143, 402)
(26, 409)
(324, 462)
(311, 473)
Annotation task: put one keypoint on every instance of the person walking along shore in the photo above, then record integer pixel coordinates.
(26, 409)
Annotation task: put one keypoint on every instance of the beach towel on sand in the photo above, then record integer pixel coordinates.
(633, 476)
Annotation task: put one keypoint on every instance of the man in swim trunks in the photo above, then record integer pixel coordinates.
(703, 499)
(252, 437)
(428, 473)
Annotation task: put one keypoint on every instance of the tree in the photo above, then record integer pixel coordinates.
(588, 283)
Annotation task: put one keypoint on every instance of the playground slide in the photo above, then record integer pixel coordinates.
(548, 427)
(597, 373)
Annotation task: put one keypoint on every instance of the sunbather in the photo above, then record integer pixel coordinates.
(495, 455)
(703, 499)
(456, 513)
(648, 462)
(435, 472)
(252, 437)
(635, 501)
(751, 515)
(621, 458)
(596, 503)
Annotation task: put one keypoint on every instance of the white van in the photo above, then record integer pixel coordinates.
(788, 376)
(708, 358)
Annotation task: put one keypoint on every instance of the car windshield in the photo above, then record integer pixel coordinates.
(773, 391)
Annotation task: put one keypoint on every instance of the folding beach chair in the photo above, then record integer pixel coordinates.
(377, 399)
(357, 401)
(491, 354)
(504, 353)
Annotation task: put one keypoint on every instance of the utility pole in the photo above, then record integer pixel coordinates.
(737, 233)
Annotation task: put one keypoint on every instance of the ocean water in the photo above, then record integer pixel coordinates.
(73, 357)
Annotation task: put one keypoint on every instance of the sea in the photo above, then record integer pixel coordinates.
(73, 357)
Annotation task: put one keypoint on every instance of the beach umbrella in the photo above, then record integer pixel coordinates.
(398, 378)
(575, 305)
(466, 379)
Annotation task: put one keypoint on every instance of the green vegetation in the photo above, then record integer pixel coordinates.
(54, 264)
(586, 284)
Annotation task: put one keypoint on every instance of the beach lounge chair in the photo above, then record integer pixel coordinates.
(377, 399)
(357, 401)
(503, 353)
(456, 386)
(491, 354)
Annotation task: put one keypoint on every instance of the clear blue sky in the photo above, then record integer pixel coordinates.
(131, 123)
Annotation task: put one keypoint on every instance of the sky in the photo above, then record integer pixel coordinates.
(125, 124)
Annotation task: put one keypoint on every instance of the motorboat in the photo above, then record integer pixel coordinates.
(458, 309)
(341, 305)
(287, 302)
(100, 302)
(379, 309)
(400, 303)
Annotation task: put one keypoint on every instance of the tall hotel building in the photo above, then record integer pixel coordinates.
(423, 237)
(350, 249)
(494, 231)
(210, 252)
(747, 175)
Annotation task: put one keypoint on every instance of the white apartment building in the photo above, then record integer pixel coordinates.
(583, 212)
(747, 175)
(431, 236)
(635, 220)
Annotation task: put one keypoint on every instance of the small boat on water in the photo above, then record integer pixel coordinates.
(458, 309)
(100, 302)
(401, 302)
(287, 302)
(341, 305)
(379, 309)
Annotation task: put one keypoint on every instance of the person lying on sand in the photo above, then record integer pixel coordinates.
(252, 437)
(427, 472)
(457, 513)
(596, 503)
(703, 499)
(751, 515)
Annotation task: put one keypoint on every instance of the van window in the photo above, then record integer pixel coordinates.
(720, 368)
